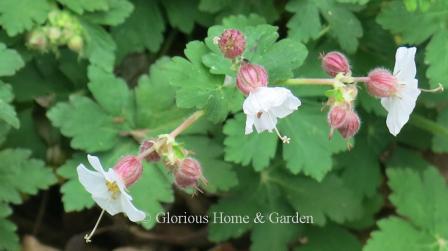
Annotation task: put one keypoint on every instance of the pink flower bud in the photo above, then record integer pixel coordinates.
(351, 125)
(188, 173)
(129, 169)
(152, 157)
(381, 83)
(337, 115)
(232, 43)
(250, 77)
(335, 62)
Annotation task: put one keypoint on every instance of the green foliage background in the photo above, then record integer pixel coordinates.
(148, 64)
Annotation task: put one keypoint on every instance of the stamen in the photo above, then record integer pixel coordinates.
(88, 237)
(437, 89)
(284, 139)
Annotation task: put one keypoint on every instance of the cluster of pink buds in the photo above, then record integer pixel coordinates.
(398, 91)
(187, 171)
(343, 118)
(342, 115)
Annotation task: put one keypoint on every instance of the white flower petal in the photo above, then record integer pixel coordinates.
(265, 105)
(131, 211)
(400, 108)
(405, 68)
(110, 205)
(249, 124)
(266, 122)
(93, 182)
(95, 163)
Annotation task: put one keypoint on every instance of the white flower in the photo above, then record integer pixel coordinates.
(401, 105)
(265, 105)
(108, 190)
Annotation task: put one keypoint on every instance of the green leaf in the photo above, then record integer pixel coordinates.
(256, 148)
(427, 225)
(397, 234)
(363, 179)
(248, 199)
(330, 238)
(343, 25)
(413, 27)
(10, 61)
(17, 16)
(90, 127)
(79, 6)
(310, 150)
(8, 236)
(157, 112)
(111, 92)
(117, 13)
(264, 8)
(336, 201)
(100, 46)
(242, 201)
(21, 174)
(437, 58)
(410, 196)
(440, 142)
(305, 24)
(197, 88)
(182, 14)
(74, 196)
(280, 234)
(142, 30)
(219, 174)
(7, 112)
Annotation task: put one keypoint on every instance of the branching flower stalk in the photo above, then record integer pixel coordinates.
(109, 189)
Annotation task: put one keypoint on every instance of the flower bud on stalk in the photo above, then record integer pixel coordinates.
(351, 125)
(381, 83)
(37, 40)
(152, 157)
(335, 62)
(232, 43)
(76, 43)
(250, 77)
(188, 174)
(129, 169)
(337, 115)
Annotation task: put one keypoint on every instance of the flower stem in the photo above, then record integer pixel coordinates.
(320, 81)
(88, 237)
(428, 125)
(309, 81)
(360, 79)
(187, 123)
(182, 127)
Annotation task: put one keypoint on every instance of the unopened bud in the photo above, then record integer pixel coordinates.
(351, 125)
(37, 40)
(381, 83)
(232, 43)
(250, 77)
(337, 115)
(153, 156)
(129, 169)
(335, 62)
(188, 174)
(54, 34)
(76, 43)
